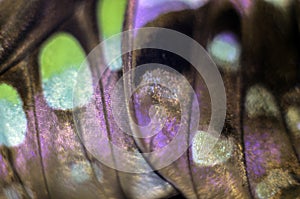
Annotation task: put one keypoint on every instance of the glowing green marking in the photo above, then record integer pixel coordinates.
(110, 16)
(60, 60)
(60, 52)
(8, 93)
(110, 19)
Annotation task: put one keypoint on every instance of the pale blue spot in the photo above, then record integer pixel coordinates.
(13, 123)
(58, 89)
(80, 172)
(225, 50)
(112, 49)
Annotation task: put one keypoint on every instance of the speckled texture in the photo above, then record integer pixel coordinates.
(293, 119)
(52, 162)
(59, 89)
(273, 183)
(13, 123)
(221, 151)
(268, 147)
(260, 102)
(291, 104)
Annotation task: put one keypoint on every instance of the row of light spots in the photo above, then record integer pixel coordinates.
(218, 150)
(60, 59)
(225, 50)
(260, 102)
(273, 183)
(293, 119)
(110, 16)
(13, 123)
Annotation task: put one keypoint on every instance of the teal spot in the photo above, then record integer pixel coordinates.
(80, 172)
(112, 50)
(225, 50)
(60, 59)
(13, 123)
(110, 19)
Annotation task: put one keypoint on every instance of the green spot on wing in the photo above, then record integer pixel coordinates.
(60, 52)
(110, 16)
(7, 92)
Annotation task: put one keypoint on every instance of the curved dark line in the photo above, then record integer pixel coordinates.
(242, 111)
(188, 139)
(109, 135)
(8, 63)
(37, 131)
(15, 172)
(287, 130)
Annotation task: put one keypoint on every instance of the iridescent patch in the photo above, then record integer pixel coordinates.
(13, 123)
